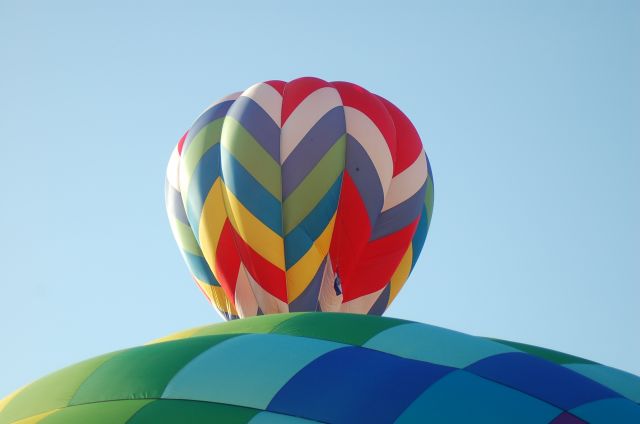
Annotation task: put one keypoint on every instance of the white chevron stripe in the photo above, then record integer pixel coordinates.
(268, 98)
(267, 302)
(407, 183)
(231, 96)
(369, 136)
(173, 169)
(305, 116)
(327, 298)
(362, 304)
(246, 303)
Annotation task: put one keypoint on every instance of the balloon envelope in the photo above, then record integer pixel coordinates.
(331, 368)
(300, 196)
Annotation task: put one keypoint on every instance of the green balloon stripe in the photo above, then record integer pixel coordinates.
(548, 354)
(252, 156)
(208, 137)
(259, 325)
(314, 186)
(429, 196)
(189, 411)
(51, 392)
(164, 410)
(142, 372)
(112, 412)
(185, 238)
(353, 329)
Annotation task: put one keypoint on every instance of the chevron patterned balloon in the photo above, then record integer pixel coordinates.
(300, 196)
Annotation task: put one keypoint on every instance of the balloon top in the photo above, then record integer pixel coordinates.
(300, 196)
(329, 368)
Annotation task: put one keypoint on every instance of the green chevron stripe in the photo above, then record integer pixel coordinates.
(314, 186)
(185, 238)
(252, 156)
(428, 198)
(208, 137)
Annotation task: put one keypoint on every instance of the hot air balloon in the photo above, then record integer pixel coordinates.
(301, 196)
(337, 368)
(314, 196)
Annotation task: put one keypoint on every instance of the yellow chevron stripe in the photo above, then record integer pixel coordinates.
(35, 418)
(218, 297)
(4, 402)
(401, 274)
(176, 336)
(211, 223)
(261, 238)
(302, 272)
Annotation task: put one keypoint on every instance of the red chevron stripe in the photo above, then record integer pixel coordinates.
(358, 98)
(270, 277)
(352, 229)
(298, 90)
(377, 263)
(181, 142)
(228, 261)
(277, 84)
(409, 144)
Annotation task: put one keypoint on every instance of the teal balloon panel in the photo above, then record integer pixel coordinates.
(329, 368)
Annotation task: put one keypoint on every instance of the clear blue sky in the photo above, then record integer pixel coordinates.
(529, 110)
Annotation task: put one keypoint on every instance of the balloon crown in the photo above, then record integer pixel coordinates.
(305, 195)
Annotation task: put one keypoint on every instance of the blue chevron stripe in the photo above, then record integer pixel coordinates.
(399, 216)
(419, 236)
(204, 176)
(365, 177)
(214, 112)
(300, 239)
(200, 268)
(251, 193)
(311, 149)
(258, 123)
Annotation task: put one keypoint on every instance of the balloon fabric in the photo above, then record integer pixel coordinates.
(300, 196)
(299, 368)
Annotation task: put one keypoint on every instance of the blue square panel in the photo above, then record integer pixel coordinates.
(462, 397)
(545, 380)
(356, 385)
(609, 411)
(246, 370)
